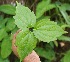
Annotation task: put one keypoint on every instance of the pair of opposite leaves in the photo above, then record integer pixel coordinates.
(32, 30)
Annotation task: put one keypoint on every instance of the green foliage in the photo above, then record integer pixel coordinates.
(10, 24)
(7, 25)
(26, 45)
(1, 18)
(66, 6)
(8, 9)
(43, 17)
(66, 57)
(47, 30)
(33, 30)
(43, 7)
(3, 34)
(44, 30)
(4, 60)
(48, 54)
(63, 8)
(6, 48)
(64, 38)
(24, 17)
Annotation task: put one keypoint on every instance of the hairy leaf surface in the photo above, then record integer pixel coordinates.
(47, 30)
(26, 42)
(24, 18)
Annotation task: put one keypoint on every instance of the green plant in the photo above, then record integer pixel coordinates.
(43, 6)
(35, 36)
(32, 30)
(8, 9)
(63, 8)
(7, 29)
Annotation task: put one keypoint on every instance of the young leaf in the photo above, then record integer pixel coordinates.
(24, 17)
(10, 24)
(43, 7)
(26, 42)
(47, 30)
(6, 48)
(17, 60)
(8, 9)
(3, 33)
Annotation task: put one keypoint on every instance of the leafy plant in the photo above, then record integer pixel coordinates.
(7, 29)
(63, 8)
(43, 30)
(8, 9)
(4, 60)
(37, 32)
(64, 18)
(6, 46)
(47, 53)
(43, 7)
(65, 38)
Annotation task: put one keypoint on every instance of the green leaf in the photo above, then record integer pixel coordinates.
(25, 42)
(66, 6)
(63, 8)
(14, 30)
(3, 22)
(3, 33)
(48, 54)
(65, 26)
(10, 24)
(43, 7)
(47, 30)
(8, 9)
(64, 38)
(67, 57)
(6, 47)
(24, 17)
(65, 15)
(43, 17)
(1, 17)
(4, 60)
(55, 43)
